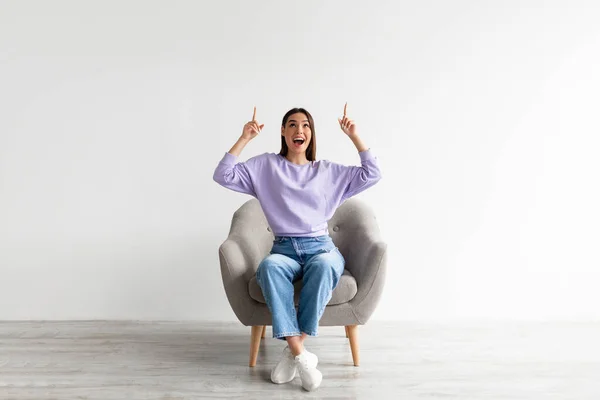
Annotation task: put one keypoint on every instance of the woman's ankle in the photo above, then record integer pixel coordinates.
(295, 343)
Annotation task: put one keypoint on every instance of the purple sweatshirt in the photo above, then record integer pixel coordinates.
(298, 200)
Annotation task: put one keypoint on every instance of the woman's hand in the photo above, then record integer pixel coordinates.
(348, 126)
(252, 128)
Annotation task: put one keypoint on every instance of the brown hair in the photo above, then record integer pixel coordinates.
(311, 150)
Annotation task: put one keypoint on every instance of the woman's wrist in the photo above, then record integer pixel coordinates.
(360, 145)
(237, 148)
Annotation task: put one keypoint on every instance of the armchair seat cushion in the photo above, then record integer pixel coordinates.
(343, 293)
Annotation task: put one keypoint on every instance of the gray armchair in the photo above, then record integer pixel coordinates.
(355, 232)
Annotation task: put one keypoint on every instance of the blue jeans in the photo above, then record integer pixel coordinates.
(315, 260)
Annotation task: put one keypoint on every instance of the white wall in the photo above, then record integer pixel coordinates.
(484, 115)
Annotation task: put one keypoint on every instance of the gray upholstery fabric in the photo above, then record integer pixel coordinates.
(355, 232)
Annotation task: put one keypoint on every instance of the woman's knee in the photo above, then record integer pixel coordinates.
(321, 272)
(327, 263)
(267, 267)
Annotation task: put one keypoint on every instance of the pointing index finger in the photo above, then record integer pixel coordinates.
(345, 108)
(254, 115)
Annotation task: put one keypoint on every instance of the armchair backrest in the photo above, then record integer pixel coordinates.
(353, 222)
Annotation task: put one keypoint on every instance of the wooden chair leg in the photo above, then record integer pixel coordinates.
(346, 329)
(264, 332)
(255, 334)
(353, 336)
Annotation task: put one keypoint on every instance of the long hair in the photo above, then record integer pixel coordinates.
(311, 150)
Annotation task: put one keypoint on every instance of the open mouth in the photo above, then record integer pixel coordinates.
(298, 142)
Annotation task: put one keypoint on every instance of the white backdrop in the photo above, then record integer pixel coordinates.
(484, 116)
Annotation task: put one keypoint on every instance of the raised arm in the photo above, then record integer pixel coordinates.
(250, 131)
(356, 179)
(235, 175)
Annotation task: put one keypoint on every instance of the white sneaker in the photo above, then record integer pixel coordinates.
(309, 374)
(285, 370)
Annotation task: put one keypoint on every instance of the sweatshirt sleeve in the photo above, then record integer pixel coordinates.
(355, 179)
(234, 176)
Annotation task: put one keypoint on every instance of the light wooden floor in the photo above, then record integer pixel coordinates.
(143, 360)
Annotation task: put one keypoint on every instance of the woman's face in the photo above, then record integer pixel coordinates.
(297, 133)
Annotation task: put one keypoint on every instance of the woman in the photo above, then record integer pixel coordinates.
(298, 195)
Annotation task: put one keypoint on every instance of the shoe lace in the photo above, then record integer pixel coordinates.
(304, 362)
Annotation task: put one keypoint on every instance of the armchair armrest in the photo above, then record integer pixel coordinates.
(367, 262)
(236, 271)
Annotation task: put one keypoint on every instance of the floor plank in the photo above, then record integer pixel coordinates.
(189, 360)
